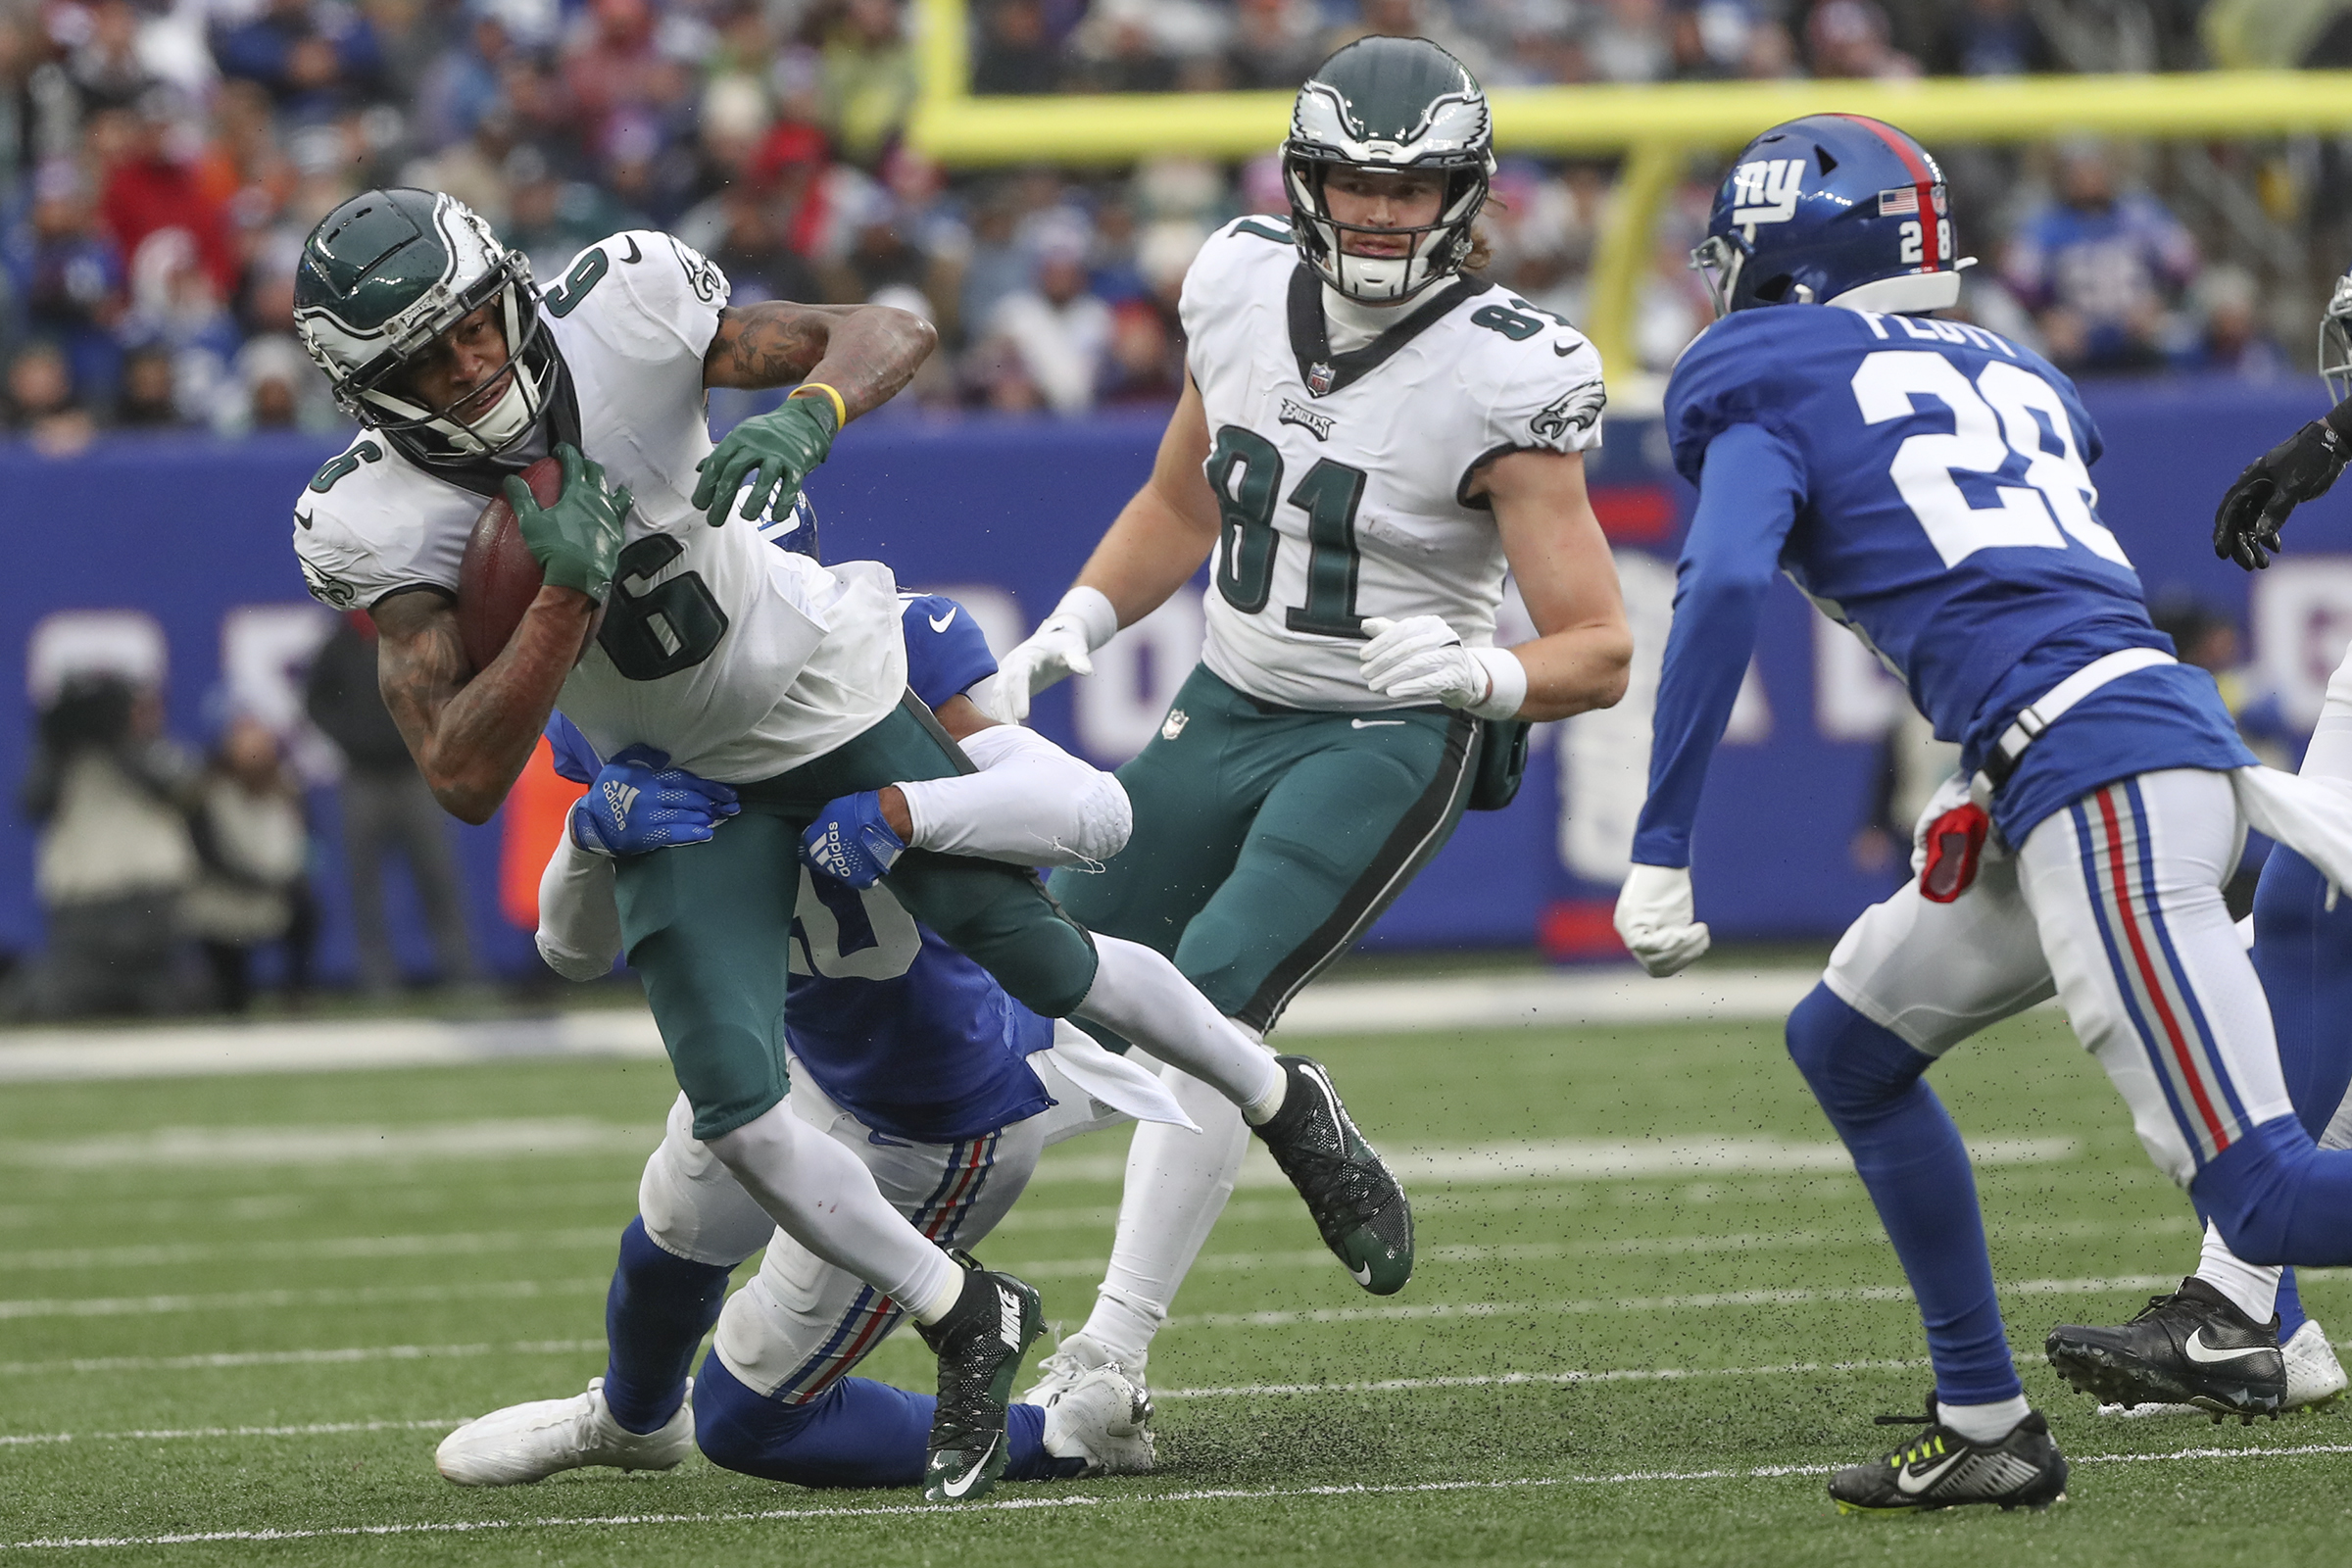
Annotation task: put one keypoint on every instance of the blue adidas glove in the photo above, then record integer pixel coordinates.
(851, 843)
(639, 802)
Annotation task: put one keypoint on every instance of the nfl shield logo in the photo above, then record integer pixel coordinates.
(1318, 380)
(1176, 721)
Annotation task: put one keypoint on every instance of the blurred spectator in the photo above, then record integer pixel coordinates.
(1142, 362)
(111, 795)
(612, 63)
(173, 304)
(1015, 54)
(1627, 40)
(66, 273)
(1853, 39)
(103, 60)
(156, 186)
(276, 387)
(314, 57)
(1275, 45)
(1057, 330)
(869, 79)
(40, 404)
(253, 845)
(2228, 304)
(475, 170)
(144, 401)
(1993, 38)
(2100, 270)
(551, 219)
(386, 807)
(462, 84)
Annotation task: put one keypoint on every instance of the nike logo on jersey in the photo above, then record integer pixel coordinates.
(875, 1137)
(1914, 1481)
(942, 623)
(302, 519)
(1373, 723)
(635, 254)
(963, 1483)
(2207, 1354)
(1299, 413)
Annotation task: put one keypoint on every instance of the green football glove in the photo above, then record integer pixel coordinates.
(782, 447)
(577, 540)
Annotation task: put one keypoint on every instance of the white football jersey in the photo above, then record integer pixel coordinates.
(1341, 476)
(737, 658)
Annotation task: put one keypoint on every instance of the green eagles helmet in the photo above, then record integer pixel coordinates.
(2335, 340)
(1389, 103)
(381, 278)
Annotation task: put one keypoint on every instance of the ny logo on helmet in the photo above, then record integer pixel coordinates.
(1765, 191)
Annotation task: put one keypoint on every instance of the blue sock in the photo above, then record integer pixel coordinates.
(1910, 1156)
(859, 1433)
(655, 1314)
(2303, 952)
(2291, 1315)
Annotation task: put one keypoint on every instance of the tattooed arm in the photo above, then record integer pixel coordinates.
(865, 352)
(471, 733)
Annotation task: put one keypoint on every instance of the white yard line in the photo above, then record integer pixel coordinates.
(252, 1300)
(222, 1360)
(315, 1429)
(1148, 1500)
(1549, 999)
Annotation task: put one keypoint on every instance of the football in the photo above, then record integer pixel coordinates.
(500, 576)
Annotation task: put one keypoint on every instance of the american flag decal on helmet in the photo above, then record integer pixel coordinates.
(1898, 202)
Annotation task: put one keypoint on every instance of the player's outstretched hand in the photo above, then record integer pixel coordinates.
(639, 802)
(2299, 469)
(851, 841)
(776, 451)
(577, 540)
(1057, 649)
(1420, 659)
(1656, 919)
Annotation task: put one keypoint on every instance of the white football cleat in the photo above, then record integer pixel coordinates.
(527, 1443)
(1072, 1359)
(1103, 1417)
(2314, 1376)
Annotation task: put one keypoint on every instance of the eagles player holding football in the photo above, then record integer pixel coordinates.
(745, 665)
(1367, 439)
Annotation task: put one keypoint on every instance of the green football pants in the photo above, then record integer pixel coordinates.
(1267, 839)
(708, 925)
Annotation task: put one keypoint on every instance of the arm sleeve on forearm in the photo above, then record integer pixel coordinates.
(1748, 496)
(1032, 803)
(579, 921)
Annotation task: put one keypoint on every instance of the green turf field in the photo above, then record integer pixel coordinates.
(252, 1305)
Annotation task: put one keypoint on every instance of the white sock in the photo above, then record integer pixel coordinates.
(2252, 1288)
(1145, 997)
(1984, 1423)
(826, 1201)
(1177, 1184)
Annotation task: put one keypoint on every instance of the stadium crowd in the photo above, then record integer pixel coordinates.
(161, 160)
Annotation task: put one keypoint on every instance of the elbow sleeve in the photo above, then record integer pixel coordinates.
(579, 920)
(1031, 804)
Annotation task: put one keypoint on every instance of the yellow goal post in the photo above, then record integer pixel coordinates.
(1655, 129)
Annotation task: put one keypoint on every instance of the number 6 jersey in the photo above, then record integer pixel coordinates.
(1341, 476)
(739, 660)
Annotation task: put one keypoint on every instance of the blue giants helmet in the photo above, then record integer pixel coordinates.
(1831, 208)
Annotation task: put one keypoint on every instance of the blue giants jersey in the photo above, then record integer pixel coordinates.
(902, 1031)
(1927, 485)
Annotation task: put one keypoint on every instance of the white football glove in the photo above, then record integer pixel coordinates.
(1654, 920)
(1064, 646)
(1420, 658)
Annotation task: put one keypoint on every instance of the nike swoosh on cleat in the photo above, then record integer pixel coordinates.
(941, 624)
(635, 254)
(963, 1483)
(2207, 1354)
(1362, 1273)
(1373, 723)
(1911, 1483)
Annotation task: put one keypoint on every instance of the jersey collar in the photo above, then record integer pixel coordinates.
(1326, 372)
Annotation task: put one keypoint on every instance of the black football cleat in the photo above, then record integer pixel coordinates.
(1943, 1469)
(1357, 1205)
(979, 1346)
(2193, 1346)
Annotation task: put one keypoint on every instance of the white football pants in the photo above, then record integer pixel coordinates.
(2115, 904)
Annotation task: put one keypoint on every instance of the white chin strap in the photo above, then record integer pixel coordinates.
(499, 426)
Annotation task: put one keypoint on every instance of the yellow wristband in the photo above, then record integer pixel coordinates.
(841, 409)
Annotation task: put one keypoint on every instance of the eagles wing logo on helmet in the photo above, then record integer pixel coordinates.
(1389, 105)
(385, 275)
(1574, 409)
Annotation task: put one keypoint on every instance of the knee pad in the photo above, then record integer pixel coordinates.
(692, 1204)
(1853, 1066)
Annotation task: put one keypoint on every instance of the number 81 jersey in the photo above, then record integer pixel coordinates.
(1341, 479)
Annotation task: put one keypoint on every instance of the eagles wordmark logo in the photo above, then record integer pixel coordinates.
(1574, 409)
(1299, 413)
